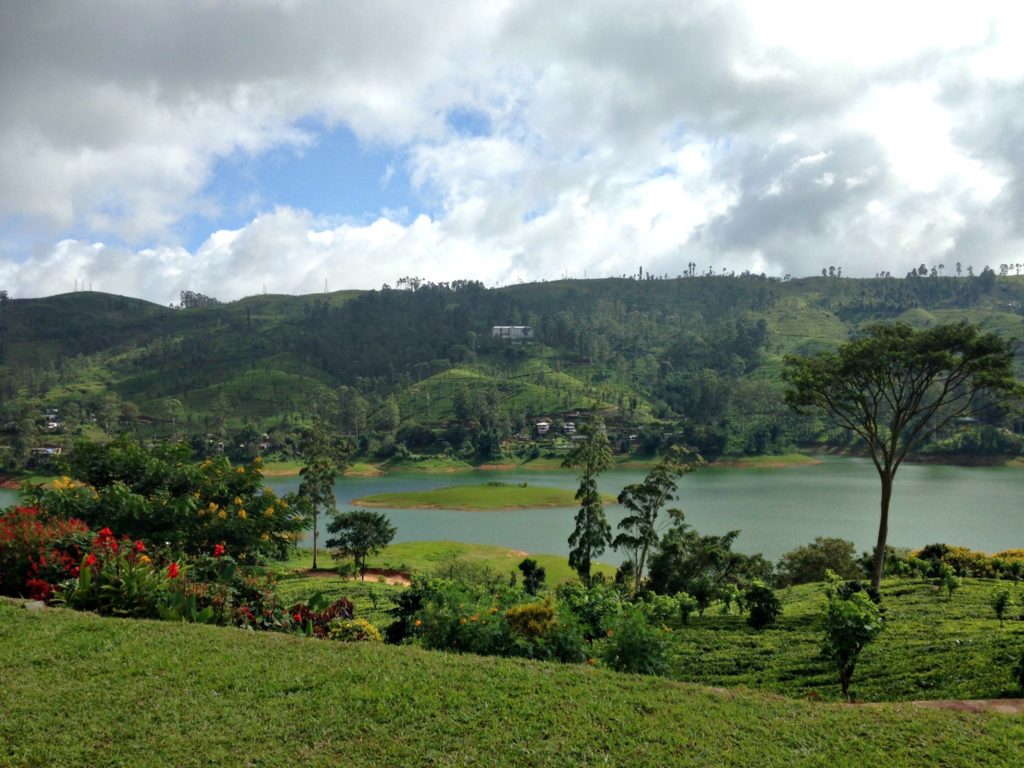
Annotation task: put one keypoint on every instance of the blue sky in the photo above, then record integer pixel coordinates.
(149, 149)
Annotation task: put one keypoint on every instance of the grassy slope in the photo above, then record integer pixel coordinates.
(475, 497)
(80, 690)
(931, 648)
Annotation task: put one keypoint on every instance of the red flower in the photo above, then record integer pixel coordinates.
(298, 618)
(90, 559)
(172, 571)
(113, 545)
(218, 550)
(38, 589)
(75, 571)
(105, 533)
(139, 547)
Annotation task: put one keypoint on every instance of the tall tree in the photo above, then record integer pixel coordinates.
(592, 455)
(894, 386)
(644, 500)
(323, 457)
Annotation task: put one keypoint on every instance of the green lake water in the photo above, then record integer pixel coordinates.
(775, 509)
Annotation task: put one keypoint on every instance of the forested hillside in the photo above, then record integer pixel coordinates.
(415, 368)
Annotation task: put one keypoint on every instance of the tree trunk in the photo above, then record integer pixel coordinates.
(314, 539)
(883, 531)
(642, 561)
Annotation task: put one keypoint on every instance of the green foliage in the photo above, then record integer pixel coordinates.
(634, 645)
(533, 575)
(1018, 672)
(532, 620)
(1000, 601)
(763, 605)
(949, 580)
(161, 497)
(686, 561)
(358, 534)
(353, 631)
(894, 385)
(644, 501)
(849, 624)
(596, 607)
(809, 563)
(592, 456)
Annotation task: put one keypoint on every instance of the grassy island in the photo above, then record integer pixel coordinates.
(475, 497)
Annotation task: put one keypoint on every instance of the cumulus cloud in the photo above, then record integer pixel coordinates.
(777, 137)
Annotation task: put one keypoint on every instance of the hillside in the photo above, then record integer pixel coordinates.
(124, 693)
(699, 355)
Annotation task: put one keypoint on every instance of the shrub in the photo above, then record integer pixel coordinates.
(597, 607)
(1018, 672)
(353, 631)
(949, 579)
(808, 563)
(687, 605)
(763, 605)
(531, 620)
(849, 624)
(37, 552)
(118, 578)
(661, 609)
(533, 575)
(633, 645)
(159, 495)
(1000, 602)
(314, 617)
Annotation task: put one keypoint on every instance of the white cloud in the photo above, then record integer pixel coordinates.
(774, 137)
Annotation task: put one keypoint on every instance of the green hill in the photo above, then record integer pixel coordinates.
(695, 355)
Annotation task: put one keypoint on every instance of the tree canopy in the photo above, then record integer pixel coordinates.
(895, 385)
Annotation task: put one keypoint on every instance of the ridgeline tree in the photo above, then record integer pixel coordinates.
(644, 500)
(895, 386)
(592, 455)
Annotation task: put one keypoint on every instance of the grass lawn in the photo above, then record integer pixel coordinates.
(475, 497)
(83, 690)
(428, 556)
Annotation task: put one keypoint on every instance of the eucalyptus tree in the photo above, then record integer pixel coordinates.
(894, 386)
(591, 455)
(639, 528)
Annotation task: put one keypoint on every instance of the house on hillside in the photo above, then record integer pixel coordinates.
(513, 332)
(543, 427)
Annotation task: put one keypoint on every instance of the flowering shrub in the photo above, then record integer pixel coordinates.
(159, 495)
(117, 578)
(353, 630)
(314, 618)
(37, 552)
(597, 607)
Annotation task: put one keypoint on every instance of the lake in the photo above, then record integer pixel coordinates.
(776, 510)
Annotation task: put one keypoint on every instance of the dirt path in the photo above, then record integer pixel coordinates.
(390, 576)
(1003, 706)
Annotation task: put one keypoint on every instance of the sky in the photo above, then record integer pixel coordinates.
(281, 146)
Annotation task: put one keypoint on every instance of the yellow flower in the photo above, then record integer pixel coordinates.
(265, 537)
(462, 620)
(196, 495)
(238, 501)
(213, 506)
(494, 610)
(257, 460)
(240, 470)
(419, 623)
(243, 514)
(284, 503)
(145, 559)
(222, 514)
(268, 512)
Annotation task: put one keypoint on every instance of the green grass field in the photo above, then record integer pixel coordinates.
(427, 556)
(83, 690)
(475, 497)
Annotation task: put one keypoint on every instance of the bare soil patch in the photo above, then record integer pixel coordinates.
(390, 575)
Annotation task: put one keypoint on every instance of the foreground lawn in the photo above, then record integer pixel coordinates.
(82, 690)
(475, 497)
(931, 648)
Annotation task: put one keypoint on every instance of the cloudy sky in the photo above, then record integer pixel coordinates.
(235, 147)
